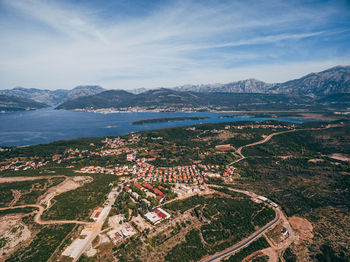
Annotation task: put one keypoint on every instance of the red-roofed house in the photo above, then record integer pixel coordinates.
(148, 186)
(157, 191)
(138, 186)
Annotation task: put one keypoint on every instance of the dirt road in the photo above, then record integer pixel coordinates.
(268, 138)
(24, 178)
(37, 218)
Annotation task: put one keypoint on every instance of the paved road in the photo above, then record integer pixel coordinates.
(245, 242)
(257, 234)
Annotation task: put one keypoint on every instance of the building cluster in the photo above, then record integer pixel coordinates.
(157, 216)
(229, 171)
(178, 174)
(193, 174)
(263, 126)
(149, 191)
(16, 165)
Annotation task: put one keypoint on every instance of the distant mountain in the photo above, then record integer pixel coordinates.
(312, 88)
(105, 99)
(243, 86)
(331, 81)
(12, 103)
(171, 100)
(52, 97)
(138, 90)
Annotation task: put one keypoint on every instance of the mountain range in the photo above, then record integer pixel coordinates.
(13, 103)
(331, 81)
(52, 97)
(330, 88)
(171, 100)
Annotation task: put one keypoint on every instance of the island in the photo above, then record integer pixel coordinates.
(166, 119)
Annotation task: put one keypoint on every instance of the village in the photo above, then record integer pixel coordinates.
(118, 146)
(109, 227)
(194, 174)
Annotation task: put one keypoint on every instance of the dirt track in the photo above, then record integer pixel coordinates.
(67, 185)
(24, 178)
(37, 218)
(268, 138)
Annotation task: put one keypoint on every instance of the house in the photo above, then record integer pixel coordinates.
(96, 213)
(138, 186)
(162, 213)
(148, 186)
(157, 191)
(130, 157)
(153, 217)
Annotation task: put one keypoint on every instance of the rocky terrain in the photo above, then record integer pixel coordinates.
(331, 81)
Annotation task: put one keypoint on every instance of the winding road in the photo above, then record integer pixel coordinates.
(268, 138)
(245, 242)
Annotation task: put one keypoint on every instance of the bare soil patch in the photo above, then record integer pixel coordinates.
(67, 185)
(23, 178)
(315, 160)
(340, 157)
(303, 227)
(13, 232)
(317, 116)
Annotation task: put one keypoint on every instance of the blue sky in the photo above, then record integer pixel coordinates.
(133, 44)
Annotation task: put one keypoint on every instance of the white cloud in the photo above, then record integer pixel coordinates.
(65, 45)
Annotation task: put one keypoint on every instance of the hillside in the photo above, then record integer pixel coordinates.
(12, 103)
(168, 99)
(331, 81)
(52, 97)
(321, 90)
(243, 86)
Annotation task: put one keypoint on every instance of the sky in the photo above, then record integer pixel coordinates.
(59, 44)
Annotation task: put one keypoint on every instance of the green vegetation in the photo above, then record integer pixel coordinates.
(123, 204)
(77, 204)
(190, 250)
(289, 256)
(166, 119)
(261, 259)
(328, 254)
(43, 245)
(29, 190)
(24, 210)
(259, 244)
(226, 221)
(184, 205)
(264, 216)
(294, 170)
(129, 250)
